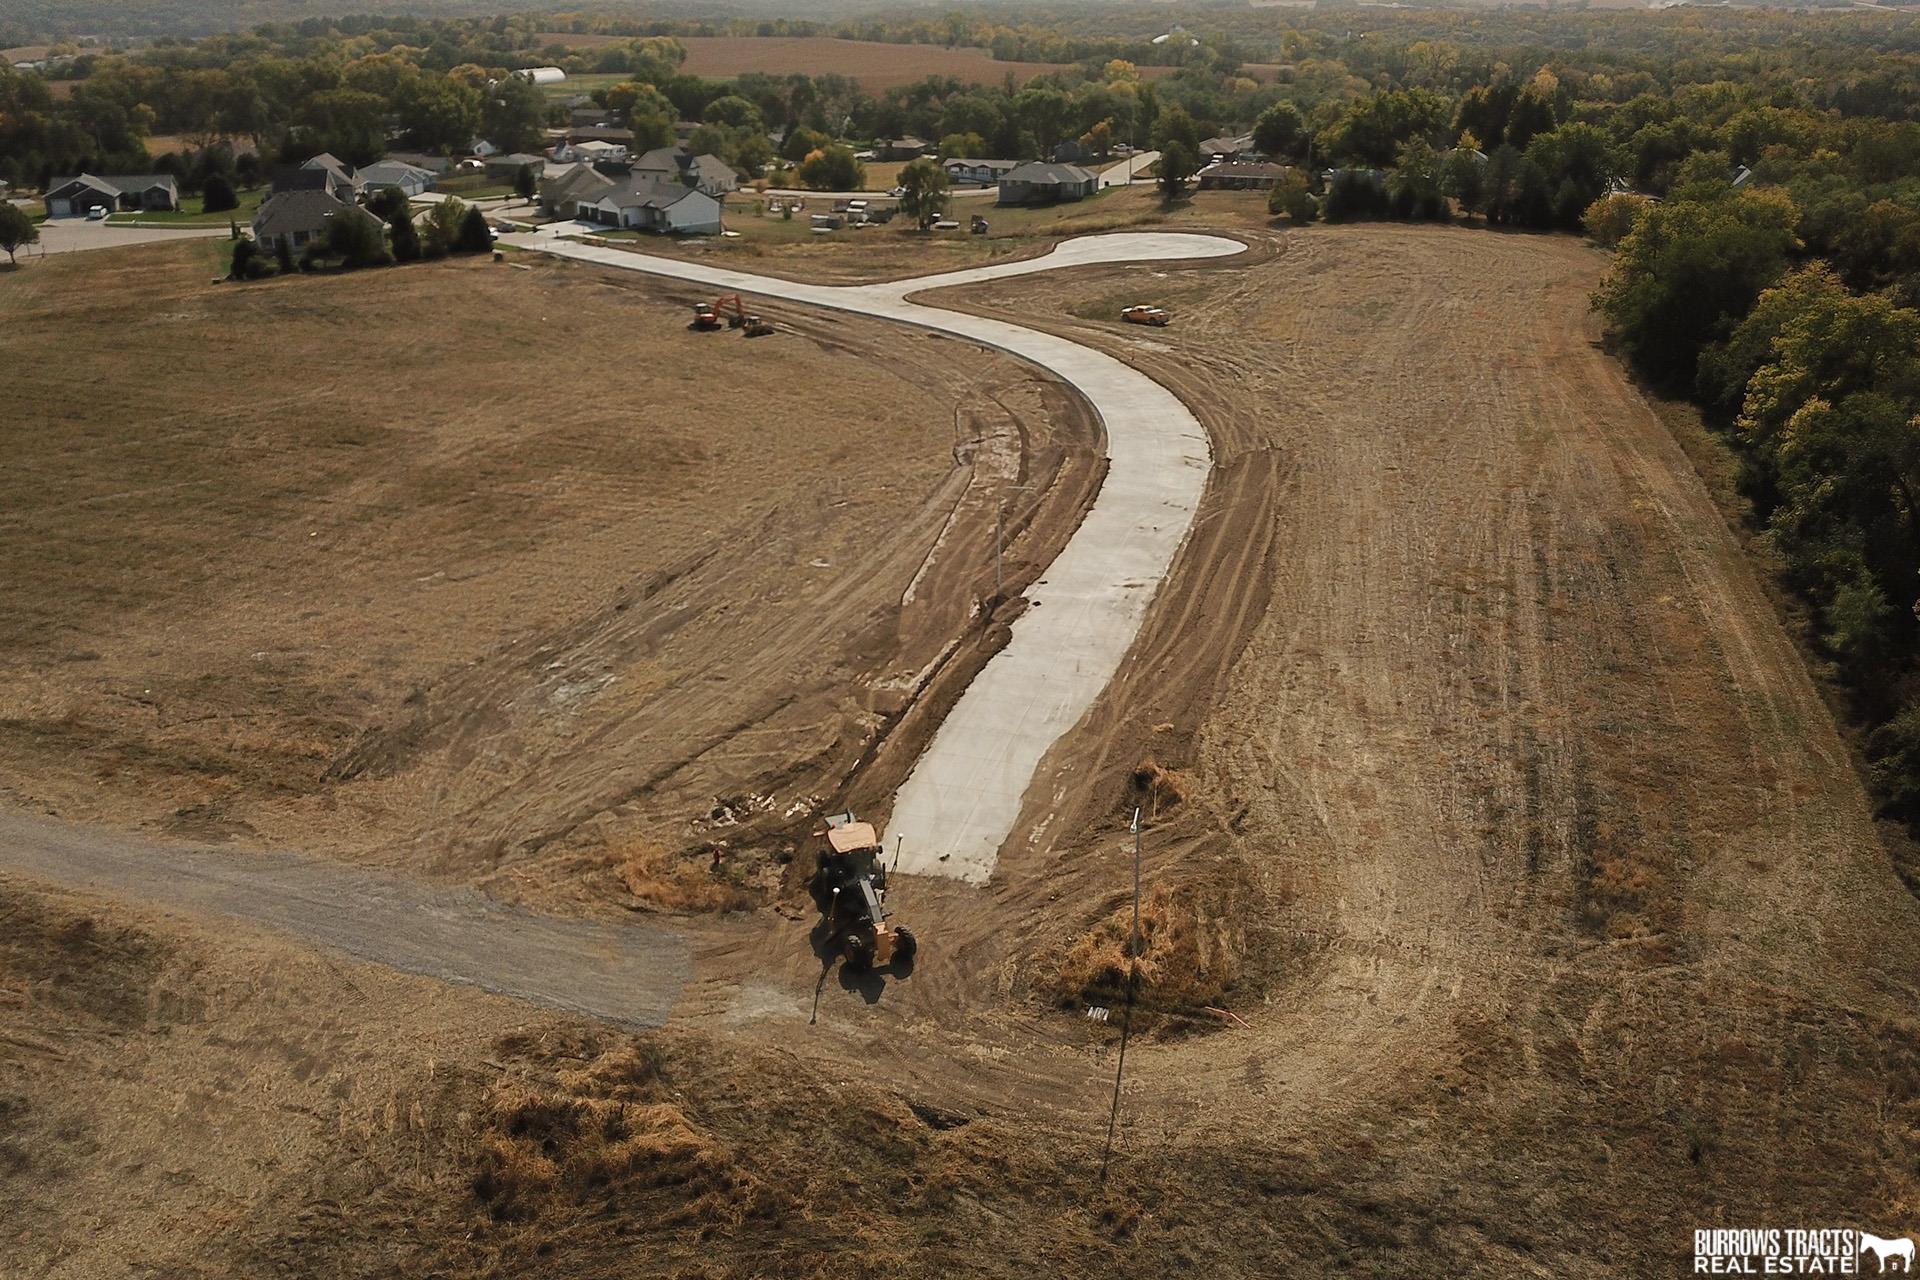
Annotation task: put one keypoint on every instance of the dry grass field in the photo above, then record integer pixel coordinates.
(1488, 798)
(877, 65)
(465, 565)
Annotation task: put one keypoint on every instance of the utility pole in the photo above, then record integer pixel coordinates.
(1126, 1016)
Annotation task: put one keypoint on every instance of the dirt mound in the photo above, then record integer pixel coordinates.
(1192, 950)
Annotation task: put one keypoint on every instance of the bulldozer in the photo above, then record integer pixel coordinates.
(849, 885)
(706, 316)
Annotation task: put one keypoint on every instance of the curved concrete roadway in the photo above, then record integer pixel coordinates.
(962, 799)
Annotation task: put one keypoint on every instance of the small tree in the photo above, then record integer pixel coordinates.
(284, 256)
(16, 229)
(443, 227)
(924, 194)
(1178, 161)
(1464, 177)
(473, 236)
(218, 195)
(406, 241)
(357, 238)
(1278, 130)
(962, 146)
(243, 261)
(524, 183)
(832, 168)
(1290, 198)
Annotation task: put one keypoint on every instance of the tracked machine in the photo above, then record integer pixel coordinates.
(849, 886)
(707, 316)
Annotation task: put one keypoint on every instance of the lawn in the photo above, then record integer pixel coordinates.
(194, 213)
(475, 186)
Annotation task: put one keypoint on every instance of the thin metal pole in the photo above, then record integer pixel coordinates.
(1126, 1016)
(999, 537)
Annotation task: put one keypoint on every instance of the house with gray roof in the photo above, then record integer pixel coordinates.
(645, 203)
(1040, 182)
(560, 196)
(411, 179)
(300, 218)
(708, 173)
(74, 197)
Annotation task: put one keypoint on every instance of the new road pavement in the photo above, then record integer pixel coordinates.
(963, 798)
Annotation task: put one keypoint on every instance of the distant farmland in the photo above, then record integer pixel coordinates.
(876, 65)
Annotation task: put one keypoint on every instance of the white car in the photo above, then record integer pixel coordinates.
(98, 213)
(897, 192)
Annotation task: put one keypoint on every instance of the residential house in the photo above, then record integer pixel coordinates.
(1241, 175)
(591, 117)
(75, 196)
(600, 133)
(300, 218)
(706, 173)
(646, 203)
(908, 148)
(1229, 147)
(1042, 183)
(411, 179)
(324, 172)
(589, 152)
(435, 165)
(982, 173)
(505, 168)
(561, 195)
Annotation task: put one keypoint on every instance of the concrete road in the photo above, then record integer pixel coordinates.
(75, 235)
(963, 798)
(1128, 170)
(630, 974)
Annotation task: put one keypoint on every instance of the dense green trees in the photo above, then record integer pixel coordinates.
(1689, 271)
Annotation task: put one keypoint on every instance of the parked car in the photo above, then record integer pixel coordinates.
(97, 214)
(1143, 314)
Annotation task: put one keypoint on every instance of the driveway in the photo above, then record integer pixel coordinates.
(75, 235)
(631, 974)
(963, 797)
(1129, 170)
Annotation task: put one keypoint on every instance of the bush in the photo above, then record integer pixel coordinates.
(473, 236)
(1291, 198)
(218, 196)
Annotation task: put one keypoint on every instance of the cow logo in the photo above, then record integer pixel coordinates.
(1900, 1247)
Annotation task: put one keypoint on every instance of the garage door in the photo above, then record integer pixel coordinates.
(59, 208)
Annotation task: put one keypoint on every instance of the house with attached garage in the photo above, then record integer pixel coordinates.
(646, 203)
(1241, 175)
(411, 179)
(300, 218)
(708, 173)
(1042, 183)
(561, 195)
(76, 196)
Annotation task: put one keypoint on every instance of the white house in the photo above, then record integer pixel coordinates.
(982, 173)
(648, 204)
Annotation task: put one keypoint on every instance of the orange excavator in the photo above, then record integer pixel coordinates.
(706, 316)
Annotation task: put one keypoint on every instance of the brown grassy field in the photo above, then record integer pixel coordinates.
(465, 565)
(1488, 798)
(877, 65)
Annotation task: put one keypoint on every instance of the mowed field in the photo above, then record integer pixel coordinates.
(466, 566)
(877, 65)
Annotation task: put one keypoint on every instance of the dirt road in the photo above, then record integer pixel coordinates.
(960, 803)
(630, 975)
